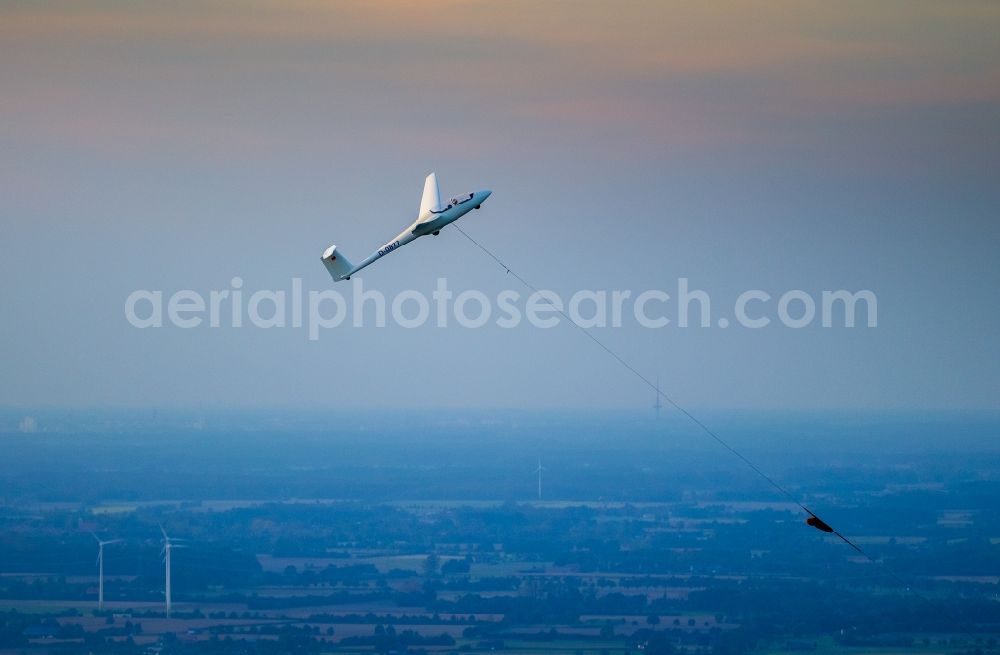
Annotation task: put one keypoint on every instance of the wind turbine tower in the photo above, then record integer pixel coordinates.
(539, 472)
(100, 568)
(168, 545)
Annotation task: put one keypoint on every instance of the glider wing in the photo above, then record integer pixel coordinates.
(431, 200)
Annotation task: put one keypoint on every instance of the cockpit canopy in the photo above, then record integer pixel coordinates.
(458, 200)
(454, 202)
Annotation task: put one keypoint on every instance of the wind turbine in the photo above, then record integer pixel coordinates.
(539, 472)
(168, 545)
(100, 568)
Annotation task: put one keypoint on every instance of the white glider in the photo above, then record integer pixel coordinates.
(433, 216)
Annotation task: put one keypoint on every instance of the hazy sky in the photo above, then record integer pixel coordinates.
(772, 145)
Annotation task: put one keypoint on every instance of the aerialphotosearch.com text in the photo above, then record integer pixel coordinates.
(326, 309)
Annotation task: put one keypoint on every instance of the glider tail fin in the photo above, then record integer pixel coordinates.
(338, 266)
(432, 197)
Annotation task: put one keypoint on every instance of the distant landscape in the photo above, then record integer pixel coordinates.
(377, 533)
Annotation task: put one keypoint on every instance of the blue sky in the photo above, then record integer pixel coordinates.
(741, 145)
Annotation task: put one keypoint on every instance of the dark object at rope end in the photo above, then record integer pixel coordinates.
(818, 523)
